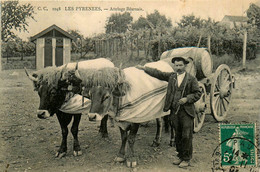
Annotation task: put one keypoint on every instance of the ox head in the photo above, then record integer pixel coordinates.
(69, 77)
(101, 102)
(52, 95)
(106, 85)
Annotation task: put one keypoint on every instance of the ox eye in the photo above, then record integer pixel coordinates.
(105, 98)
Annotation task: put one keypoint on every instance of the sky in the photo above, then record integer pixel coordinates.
(90, 17)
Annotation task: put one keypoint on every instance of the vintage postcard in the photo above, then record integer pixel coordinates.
(175, 84)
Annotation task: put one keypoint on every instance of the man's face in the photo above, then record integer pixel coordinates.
(179, 66)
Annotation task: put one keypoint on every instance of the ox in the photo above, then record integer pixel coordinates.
(53, 91)
(117, 92)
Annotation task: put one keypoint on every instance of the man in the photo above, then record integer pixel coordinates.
(182, 92)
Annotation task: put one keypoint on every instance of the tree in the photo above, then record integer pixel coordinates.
(14, 16)
(191, 20)
(154, 19)
(76, 44)
(159, 20)
(253, 14)
(118, 22)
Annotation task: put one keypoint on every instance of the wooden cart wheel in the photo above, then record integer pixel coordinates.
(220, 93)
(200, 107)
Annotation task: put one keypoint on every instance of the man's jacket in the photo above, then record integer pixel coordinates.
(192, 91)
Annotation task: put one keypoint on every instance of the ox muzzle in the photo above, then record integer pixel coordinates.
(43, 114)
(93, 117)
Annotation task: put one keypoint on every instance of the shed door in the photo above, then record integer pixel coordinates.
(59, 52)
(48, 52)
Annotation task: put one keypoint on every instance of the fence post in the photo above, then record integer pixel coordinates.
(131, 41)
(137, 46)
(126, 46)
(244, 49)
(209, 48)
(117, 46)
(159, 45)
(144, 44)
(121, 46)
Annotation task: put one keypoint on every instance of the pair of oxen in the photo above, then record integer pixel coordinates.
(55, 85)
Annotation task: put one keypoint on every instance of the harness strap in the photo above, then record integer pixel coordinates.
(117, 100)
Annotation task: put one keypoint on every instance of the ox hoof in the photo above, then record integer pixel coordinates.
(77, 153)
(60, 154)
(130, 164)
(155, 143)
(104, 135)
(119, 159)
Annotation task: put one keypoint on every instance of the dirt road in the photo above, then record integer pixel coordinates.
(29, 144)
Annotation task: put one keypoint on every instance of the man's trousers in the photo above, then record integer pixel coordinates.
(183, 125)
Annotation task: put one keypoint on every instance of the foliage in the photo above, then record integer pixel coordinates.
(153, 20)
(14, 16)
(16, 47)
(191, 20)
(118, 22)
(76, 44)
(253, 14)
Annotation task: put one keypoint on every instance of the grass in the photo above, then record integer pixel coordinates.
(17, 63)
(225, 59)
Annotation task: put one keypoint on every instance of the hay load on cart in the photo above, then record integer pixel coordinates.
(218, 85)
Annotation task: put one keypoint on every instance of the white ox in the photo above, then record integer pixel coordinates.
(141, 103)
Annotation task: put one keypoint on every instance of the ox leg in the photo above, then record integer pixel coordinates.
(74, 130)
(103, 127)
(131, 160)
(166, 123)
(64, 120)
(121, 156)
(158, 136)
(172, 141)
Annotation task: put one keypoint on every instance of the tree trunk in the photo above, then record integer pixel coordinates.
(22, 53)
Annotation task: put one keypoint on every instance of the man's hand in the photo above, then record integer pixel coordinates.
(183, 100)
(140, 67)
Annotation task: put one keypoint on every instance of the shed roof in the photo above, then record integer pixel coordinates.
(53, 27)
(236, 18)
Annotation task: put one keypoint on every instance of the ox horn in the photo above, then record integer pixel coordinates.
(77, 66)
(77, 71)
(77, 74)
(63, 70)
(30, 76)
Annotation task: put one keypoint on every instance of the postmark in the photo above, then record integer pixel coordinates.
(237, 147)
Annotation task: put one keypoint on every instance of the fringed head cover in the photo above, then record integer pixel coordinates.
(113, 78)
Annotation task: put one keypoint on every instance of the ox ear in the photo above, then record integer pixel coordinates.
(119, 90)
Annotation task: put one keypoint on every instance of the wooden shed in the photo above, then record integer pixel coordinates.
(53, 47)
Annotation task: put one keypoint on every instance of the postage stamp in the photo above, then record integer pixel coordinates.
(238, 145)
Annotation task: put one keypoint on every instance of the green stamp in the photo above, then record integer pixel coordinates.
(238, 145)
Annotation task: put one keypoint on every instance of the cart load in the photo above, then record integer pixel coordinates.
(202, 62)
